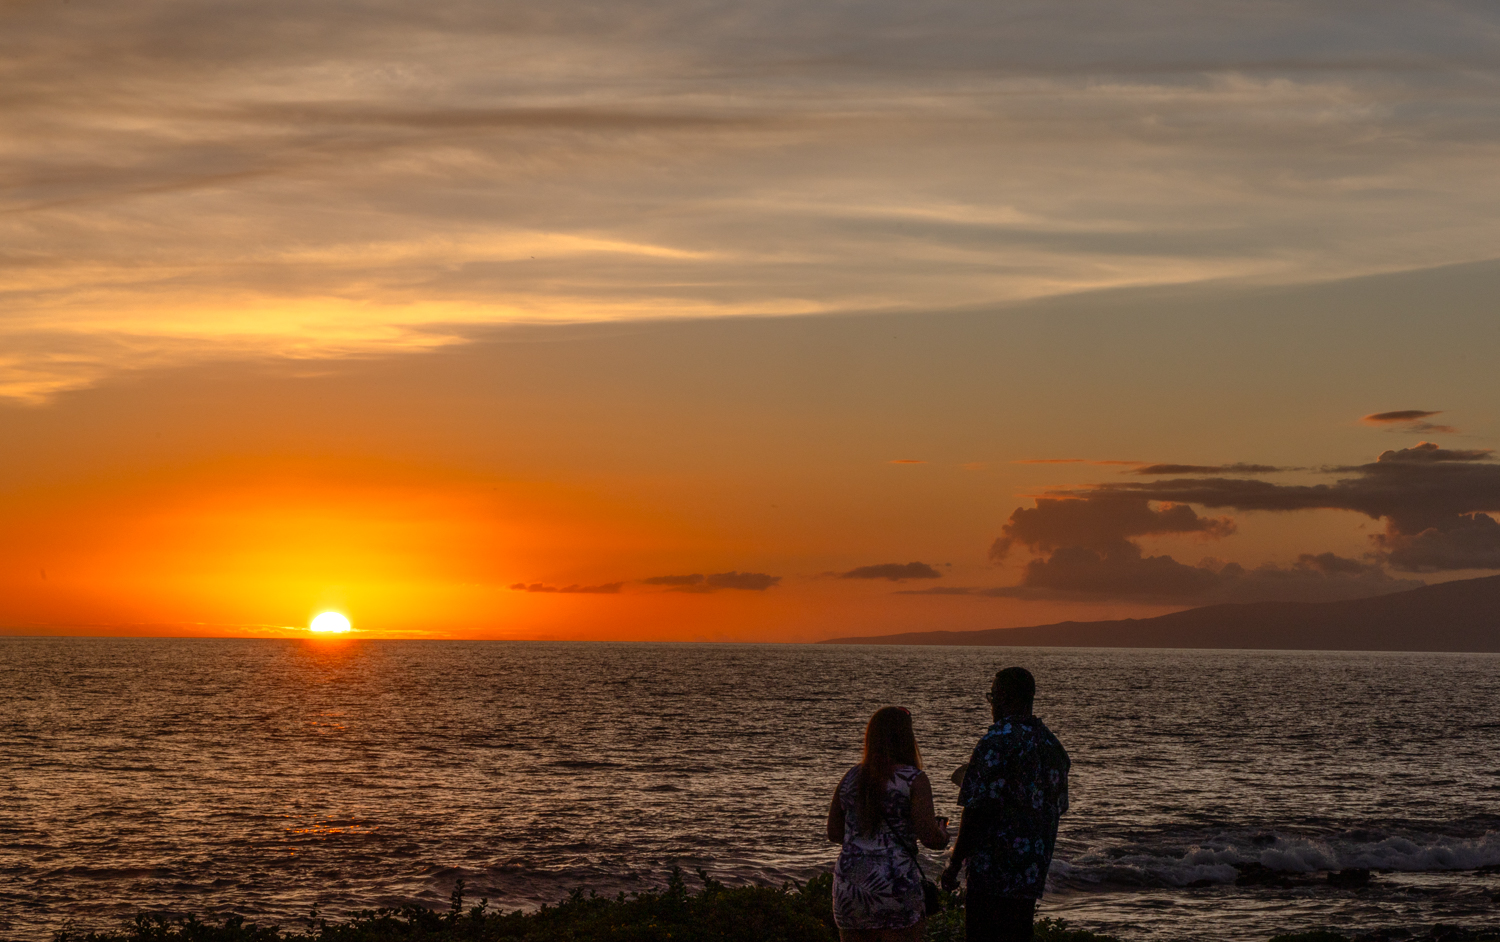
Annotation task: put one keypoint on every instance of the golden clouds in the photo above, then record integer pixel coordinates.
(354, 178)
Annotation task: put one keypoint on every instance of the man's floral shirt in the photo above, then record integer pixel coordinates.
(1018, 775)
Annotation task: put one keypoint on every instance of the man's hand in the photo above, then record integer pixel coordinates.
(949, 879)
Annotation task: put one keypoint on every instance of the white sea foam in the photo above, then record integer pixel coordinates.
(1414, 853)
(1217, 858)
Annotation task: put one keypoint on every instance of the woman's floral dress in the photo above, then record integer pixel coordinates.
(876, 884)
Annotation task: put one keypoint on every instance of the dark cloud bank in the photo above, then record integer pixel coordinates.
(1434, 502)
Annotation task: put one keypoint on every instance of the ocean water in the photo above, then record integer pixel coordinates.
(267, 778)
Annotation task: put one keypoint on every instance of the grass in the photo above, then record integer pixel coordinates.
(715, 913)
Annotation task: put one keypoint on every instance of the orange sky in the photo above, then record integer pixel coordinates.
(412, 491)
(391, 311)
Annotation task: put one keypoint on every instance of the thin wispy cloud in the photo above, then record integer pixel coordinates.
(1239, 468)
(1410, 421)
(1099, 462)
(608, 588)
(892, 572)
(1401, 416)
(699, 583)
(676, 581)
(348, 178)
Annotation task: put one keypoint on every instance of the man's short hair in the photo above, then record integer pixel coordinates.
(1015, 686)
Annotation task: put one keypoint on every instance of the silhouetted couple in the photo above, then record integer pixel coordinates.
(1014, 789)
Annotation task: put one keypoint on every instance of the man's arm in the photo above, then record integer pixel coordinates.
(975, 820)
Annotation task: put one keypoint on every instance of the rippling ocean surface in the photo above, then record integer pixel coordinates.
(268, 777)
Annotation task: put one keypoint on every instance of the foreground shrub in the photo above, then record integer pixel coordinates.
(1056, 930)
(714, 914)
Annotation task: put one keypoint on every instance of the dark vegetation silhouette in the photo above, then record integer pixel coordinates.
(716, 913)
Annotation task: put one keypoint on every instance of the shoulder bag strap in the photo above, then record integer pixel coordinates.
(911, 851)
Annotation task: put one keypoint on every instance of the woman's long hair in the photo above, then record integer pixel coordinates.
(889, 742)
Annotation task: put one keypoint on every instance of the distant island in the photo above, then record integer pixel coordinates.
(1463, 615)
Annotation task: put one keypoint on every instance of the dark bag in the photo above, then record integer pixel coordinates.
(930, 899)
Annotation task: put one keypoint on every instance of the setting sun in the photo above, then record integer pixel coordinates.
(331, 622)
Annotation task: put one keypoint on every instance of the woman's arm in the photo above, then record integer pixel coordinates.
(836, 820)
(930, 830)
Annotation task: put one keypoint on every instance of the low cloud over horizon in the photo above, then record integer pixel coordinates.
(892, 572)
(1314, 577)
(1085, 541)
(697, 582)
(608, 588)
(1088, 548)
(1434, 502)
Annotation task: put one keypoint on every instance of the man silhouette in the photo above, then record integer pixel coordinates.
(1015, 789)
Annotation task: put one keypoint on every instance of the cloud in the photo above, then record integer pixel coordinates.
(1076, 574)
(449, 162)
(894, 572)
(750, 581)
(1074, 461)
(1468, 541)
(1208, 469)
(1409, 421)
(1427, 452)
(1084, 540)
(1085, 549)
(1332, 564)
(697, 583)
(941, 590)
(906, 461)
(1402, 415)
(608, 588)
(1433, 500)
(693, 579)
(1100, 522)
(1117, 572)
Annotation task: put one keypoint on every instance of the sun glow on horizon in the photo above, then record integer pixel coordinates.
(330, 623)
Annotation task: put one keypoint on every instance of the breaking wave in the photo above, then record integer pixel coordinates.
(1222, 857)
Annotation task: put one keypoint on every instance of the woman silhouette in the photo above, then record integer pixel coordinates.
(879, 811)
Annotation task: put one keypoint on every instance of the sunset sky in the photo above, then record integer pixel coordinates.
(724, 321)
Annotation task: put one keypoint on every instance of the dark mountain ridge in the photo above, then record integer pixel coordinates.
(1463, 615)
